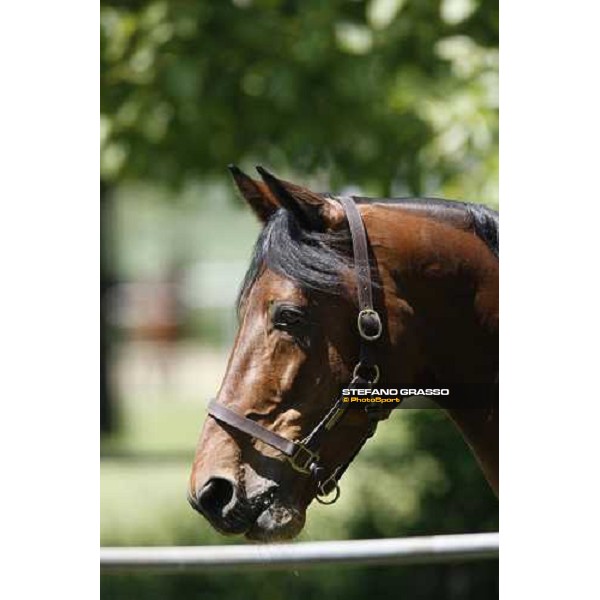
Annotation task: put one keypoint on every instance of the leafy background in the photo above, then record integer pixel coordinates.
(385, 97)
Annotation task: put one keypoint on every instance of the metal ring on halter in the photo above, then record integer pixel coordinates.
(359, 365)
(369, 312)
(322, 493)
(334, 499)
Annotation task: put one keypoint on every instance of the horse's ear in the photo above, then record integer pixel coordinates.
(256, 193)
(314, 211)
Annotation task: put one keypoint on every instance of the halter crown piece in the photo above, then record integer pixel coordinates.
(303, 455)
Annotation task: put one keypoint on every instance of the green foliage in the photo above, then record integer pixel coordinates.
(391, 95)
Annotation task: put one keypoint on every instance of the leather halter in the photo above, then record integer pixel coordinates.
(303, 455)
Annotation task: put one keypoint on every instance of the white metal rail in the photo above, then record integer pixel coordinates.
(301, 555)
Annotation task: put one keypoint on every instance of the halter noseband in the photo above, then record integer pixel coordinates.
(303, 455)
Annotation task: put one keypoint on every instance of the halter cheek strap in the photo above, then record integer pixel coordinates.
(368, 321)
(303, 455)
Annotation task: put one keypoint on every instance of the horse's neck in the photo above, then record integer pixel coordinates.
(479, 427)
(441, 285)
(451, 288)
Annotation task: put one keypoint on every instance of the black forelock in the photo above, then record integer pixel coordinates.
(315, 260)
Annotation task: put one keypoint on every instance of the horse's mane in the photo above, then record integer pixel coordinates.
(481, 219)
(317, 260)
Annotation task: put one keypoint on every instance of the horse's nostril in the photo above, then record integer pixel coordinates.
(215, 495)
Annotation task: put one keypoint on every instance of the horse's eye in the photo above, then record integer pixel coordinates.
(287, 317)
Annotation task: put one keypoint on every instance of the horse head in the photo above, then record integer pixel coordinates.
(297, 346)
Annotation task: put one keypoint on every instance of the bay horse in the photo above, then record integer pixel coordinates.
(343, 289)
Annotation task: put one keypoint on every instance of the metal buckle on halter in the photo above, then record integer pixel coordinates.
(369, 312)
(356, 373)
(300, 465)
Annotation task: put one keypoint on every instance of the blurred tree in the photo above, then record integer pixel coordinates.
(107, 405)
(395, 96)
(392, 95)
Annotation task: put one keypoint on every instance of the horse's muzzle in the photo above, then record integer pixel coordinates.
(218, 501)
